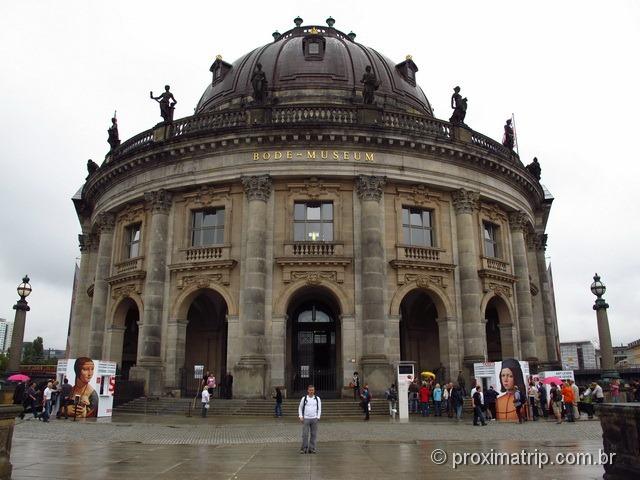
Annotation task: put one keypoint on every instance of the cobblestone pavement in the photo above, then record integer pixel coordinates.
(143, 448)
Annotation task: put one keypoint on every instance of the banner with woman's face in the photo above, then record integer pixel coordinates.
(92, 386)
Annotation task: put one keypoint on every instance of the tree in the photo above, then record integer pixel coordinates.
(4, 362)
(33, 352)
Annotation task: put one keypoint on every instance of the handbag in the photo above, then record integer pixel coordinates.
(206, 405)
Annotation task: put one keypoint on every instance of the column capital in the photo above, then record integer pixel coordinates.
(257, 187)
(159, 201)
(106, 222)
(541, 241)
(369, 187)
(518, 221)
(465, 201)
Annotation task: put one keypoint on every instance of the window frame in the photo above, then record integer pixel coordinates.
(128, 242)
(430, 229)
(321, 221)
(219, 226)
(494, 241)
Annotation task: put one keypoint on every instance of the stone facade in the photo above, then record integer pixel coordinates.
(220, 275)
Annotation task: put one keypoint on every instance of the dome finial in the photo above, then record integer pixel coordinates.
(275, 35)
(218, 57)
(351, 35)
(408, 57)
(298, 21)
(330, 21)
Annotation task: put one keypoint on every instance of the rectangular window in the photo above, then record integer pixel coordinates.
(132, 241)
(313, 222)
(491, 232)
(207, 227)
(417, 227)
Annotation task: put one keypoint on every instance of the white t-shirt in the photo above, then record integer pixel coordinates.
(312, 409)
(205, 396)
(47, 393)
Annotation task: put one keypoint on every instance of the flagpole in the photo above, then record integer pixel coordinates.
(515, 135)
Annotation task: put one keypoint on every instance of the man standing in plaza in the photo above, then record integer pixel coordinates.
(477, 407)
(309, 412)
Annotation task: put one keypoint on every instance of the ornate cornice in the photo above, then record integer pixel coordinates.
(131, 213)
(493, 212)
(541, 241)
(422, 265)
(257, 187)
(465, 201)
(518, 221)
(158, 201)
(369, 187)
(106, 222)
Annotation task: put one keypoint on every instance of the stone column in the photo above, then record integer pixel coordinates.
(113, 347)
(474, 334)
(506, 340)
(100, 286)
(8, 414)
(547, 310)
(250, 371)
(375, 364)
(517, 223)
(17, 337)
(448, 342)
(539, 330)
(79, 329)
(176, 343)
(149, 362)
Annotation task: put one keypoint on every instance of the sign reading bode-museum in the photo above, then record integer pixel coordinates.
(315, 155)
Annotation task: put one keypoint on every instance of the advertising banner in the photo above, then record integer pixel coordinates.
(92, 386)
(504, 376)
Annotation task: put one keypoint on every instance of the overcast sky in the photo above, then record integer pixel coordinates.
(569, 70)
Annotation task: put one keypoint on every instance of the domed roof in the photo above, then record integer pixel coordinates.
(312, 65)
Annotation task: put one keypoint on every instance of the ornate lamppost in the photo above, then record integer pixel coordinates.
(606, 350)
(21, 307)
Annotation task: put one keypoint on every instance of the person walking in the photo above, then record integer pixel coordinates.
(556, 402)
(596, 393)
(205, 401)
(457, 400)
(490, 397)
(615, 391)
(355, 383)
(366, 401)
(533, 401)
(542, 396)
(424, 394)
(477, 407)
(46, 402)
(517, 402)
(65, 394)
(576, 398)
(413, 397)
(392, 399)
(309, 412)
(211, 384)
(30, 401)
(462, 383)
(446, 390)
(568, 399)
(278, 397)
(437, 400)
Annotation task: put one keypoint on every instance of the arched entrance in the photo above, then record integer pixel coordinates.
(313, 342)
(494, 342)
(130, 336)
(206, 337)
(419, 333)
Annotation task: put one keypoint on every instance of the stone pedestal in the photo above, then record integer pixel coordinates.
(8, 415)
(377, 373)
(249, 377)
(369, 115)
(17, 337)
(461, 133)
(161, 132)
(151, 375)
(620, 436)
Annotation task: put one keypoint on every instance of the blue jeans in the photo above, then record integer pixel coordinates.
(278, 409)
(424, 408)
(437, 408)
(413, 405)
(46, 411)
(458, 412)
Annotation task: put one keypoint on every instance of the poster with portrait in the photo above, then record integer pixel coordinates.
(504, 376)
(92, 386)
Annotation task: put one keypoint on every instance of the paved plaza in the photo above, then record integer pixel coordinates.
(145, 447)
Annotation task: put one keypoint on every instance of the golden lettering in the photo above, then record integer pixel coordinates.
(335, 155)
(357, 156)
(266, 155)
(345, 155)
(289, 154)
(311, 154)
(368, 157)
(277, 155)
(324, 154)
(256, 156)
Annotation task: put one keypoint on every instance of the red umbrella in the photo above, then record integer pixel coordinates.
(18, 377)
(549, 380)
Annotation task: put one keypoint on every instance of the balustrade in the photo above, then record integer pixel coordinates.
(197, 254)
(495, 264)
(129, 265)
(420, 253)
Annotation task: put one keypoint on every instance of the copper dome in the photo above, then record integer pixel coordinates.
(313, 64)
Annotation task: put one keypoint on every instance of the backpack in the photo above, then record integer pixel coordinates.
(304, 404)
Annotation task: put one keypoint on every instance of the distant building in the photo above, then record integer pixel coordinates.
(578, 355)
(6, 330)
(633, 352)
(50, 353)
(620, 355)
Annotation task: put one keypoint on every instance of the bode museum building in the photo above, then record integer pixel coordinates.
(311, 219)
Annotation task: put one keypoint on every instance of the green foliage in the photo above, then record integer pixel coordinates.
(34, 353)
(4, 362)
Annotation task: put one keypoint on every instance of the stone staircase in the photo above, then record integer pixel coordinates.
(331, 408)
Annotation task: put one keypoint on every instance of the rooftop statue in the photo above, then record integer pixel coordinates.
(459, 106)
(259, 84)
(534, 168)
(114, 137)
(167, 103)
(371, 84)
(509, 139)
(92, 167)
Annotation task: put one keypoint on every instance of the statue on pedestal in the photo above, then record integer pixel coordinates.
(459, 106)
(509, 139)
(112, 131)
(259, 84)
(92, 167)
(167, 103)
(371, 84)
(534, 168)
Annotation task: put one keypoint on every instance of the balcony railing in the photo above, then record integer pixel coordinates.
(313, 249)
(312, 114)
(198, 254)
(495, 264)
(130, 265)
(410, 252)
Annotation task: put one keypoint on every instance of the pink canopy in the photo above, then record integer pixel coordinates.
(555, 380)
(18, 377)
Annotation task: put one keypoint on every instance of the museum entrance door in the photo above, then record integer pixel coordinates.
(314, 340)
(206, 339)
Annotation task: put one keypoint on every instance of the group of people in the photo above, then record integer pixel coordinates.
(208, 386)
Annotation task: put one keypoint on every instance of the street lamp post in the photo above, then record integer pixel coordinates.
(21, 307)
(606, 349)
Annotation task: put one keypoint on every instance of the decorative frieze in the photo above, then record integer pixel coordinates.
(125, 291)
(465, 201)
(418, 195)
(426, 281)
(201, 281)
(369, 187)
(131, 214)
(257, 187)
(106, 222)
(494, 213)
(313, 189)
(499, 289)
(158, 201)
(208, 195)
(315, 277)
